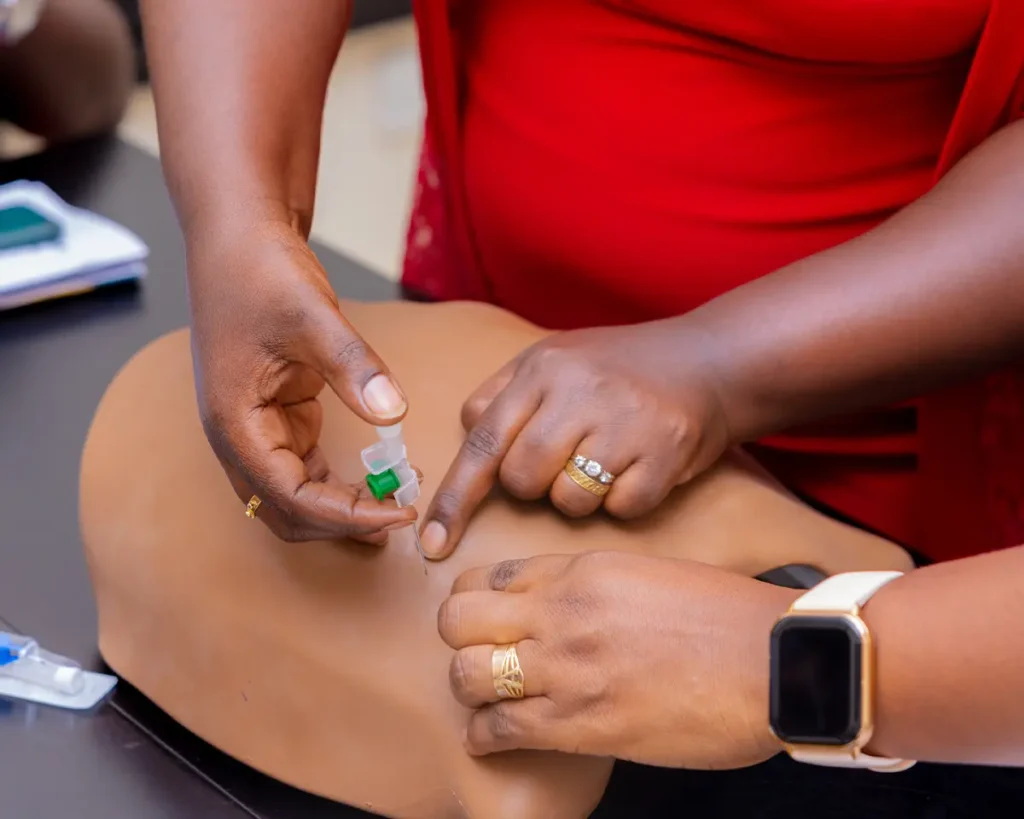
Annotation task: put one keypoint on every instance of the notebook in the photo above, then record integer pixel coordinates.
(60, 250)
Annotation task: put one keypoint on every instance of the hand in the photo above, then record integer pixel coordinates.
(267, 336)
(639, 400)
(658, 661)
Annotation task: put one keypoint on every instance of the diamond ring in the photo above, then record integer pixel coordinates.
(589, 474)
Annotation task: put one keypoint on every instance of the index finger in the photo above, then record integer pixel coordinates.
(475, 468)
(515, 575)
(533, 722)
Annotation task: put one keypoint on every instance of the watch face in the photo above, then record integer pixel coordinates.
(815, 680)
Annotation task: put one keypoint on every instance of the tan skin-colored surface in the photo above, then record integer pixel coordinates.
(320, 663)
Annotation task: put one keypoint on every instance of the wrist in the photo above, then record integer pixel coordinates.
(221, 214)
(882, 614)
(702, 355)
(770, 603)
(245, 235)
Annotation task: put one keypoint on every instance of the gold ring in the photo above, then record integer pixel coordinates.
(590, 475)
(251, 507)
(508, 674)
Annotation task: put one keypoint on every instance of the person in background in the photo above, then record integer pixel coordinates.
(66, 66)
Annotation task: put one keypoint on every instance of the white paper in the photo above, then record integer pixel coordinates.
(89, 244)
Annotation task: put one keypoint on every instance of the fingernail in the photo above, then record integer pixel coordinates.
(433, 538)
(383, 398)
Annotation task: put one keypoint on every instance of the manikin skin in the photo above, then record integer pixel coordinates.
(320, 664)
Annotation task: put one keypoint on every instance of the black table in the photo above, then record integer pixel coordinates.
(129, 761)
(55, 362)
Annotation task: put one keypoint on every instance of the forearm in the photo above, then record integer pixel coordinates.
(239, 89)
(934, 293)
(71, 76)
(950, 662)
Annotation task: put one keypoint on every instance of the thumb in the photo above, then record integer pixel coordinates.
(356, 373)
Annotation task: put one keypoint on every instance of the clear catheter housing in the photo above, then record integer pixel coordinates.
(389, 473)
(389, 455)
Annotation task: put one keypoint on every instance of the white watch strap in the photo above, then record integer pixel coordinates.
(839, 594)
(843, 592)
(878, 764)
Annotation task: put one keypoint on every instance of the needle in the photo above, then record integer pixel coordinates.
(419, 546)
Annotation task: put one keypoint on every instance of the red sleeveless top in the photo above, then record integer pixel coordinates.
(592, 163)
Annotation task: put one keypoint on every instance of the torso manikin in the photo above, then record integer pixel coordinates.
(320, 664)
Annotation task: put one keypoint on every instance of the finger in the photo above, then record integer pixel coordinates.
(356, 374)
(318, 509)
(471, 673)
(639, 490)
(506, 726)
(375, 539)
(473, 472)
(484, 395)
(484, 618)
(511, 575)
(540, 451)
(601, 451)
(278, 523)
(379, 536)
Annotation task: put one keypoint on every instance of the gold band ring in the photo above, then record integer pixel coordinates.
(590, 475)
(509, 683)
(251, 507)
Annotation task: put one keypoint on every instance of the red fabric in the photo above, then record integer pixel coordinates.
(970, 495)
(594, 163)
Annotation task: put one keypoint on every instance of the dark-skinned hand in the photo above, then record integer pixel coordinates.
(640, 400)
(658, 661)
(267, 336)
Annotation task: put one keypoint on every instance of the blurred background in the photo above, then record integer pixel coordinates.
(371, 133)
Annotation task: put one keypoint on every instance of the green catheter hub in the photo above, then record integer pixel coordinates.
(383, 484)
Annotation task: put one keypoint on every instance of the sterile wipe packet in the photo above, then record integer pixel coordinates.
(97, 686)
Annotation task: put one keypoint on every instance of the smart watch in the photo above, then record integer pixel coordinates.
(822, 675)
